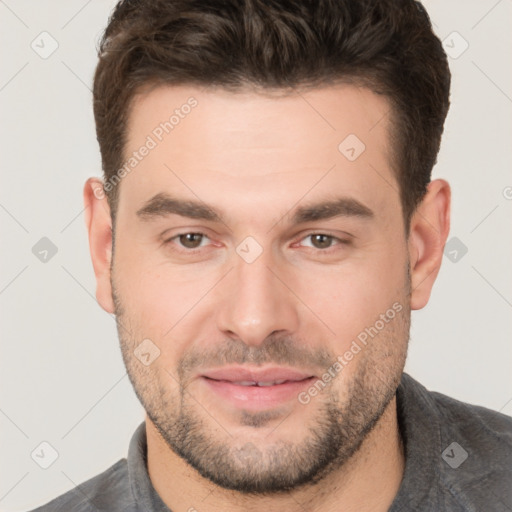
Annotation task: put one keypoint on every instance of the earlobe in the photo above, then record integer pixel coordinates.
(430, 225)
(99, 229)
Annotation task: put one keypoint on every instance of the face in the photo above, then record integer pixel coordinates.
(260, 254)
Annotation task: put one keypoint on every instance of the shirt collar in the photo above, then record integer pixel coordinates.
(145, 496)
(420, 432)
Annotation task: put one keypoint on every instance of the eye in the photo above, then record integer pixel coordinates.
(190, 241)
(323, 241)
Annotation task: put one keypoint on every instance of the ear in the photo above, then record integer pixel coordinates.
(99, 229)
(430, 225)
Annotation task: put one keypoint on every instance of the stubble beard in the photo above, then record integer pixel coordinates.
(341, 421)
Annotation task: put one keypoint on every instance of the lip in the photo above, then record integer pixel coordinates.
(239, 373)
(225, 384)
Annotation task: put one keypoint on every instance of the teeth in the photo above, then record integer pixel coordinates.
(262, 384)
(271, 383)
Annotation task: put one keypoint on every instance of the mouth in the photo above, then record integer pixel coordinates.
(255, 383)
(256, 388)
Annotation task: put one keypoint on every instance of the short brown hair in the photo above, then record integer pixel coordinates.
(385, 45)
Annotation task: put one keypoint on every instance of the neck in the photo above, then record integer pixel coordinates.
(369, 481)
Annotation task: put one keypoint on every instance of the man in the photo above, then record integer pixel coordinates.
(266, 224)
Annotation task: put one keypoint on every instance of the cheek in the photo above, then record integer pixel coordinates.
(161, 301)
(350, 298)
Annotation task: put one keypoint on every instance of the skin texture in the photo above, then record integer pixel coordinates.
(300, 304)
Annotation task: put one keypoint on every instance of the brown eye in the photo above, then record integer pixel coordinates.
(187, 243)
(324, 244)
(321, 241)
(191, 240)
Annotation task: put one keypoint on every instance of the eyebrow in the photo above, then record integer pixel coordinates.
(162, 205)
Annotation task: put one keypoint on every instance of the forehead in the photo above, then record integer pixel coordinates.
(276, 120)
(261, 149)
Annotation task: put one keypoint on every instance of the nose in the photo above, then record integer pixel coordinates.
(257, 301)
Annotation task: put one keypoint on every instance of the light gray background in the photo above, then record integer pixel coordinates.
(62, 376)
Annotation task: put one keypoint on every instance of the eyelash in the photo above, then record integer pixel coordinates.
(198, 249)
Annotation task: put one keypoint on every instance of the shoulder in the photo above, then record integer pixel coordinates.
(108, 490)
(473, 463)
(473, 422)
(483, 429)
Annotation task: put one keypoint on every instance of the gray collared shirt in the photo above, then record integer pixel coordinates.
(458, 459)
